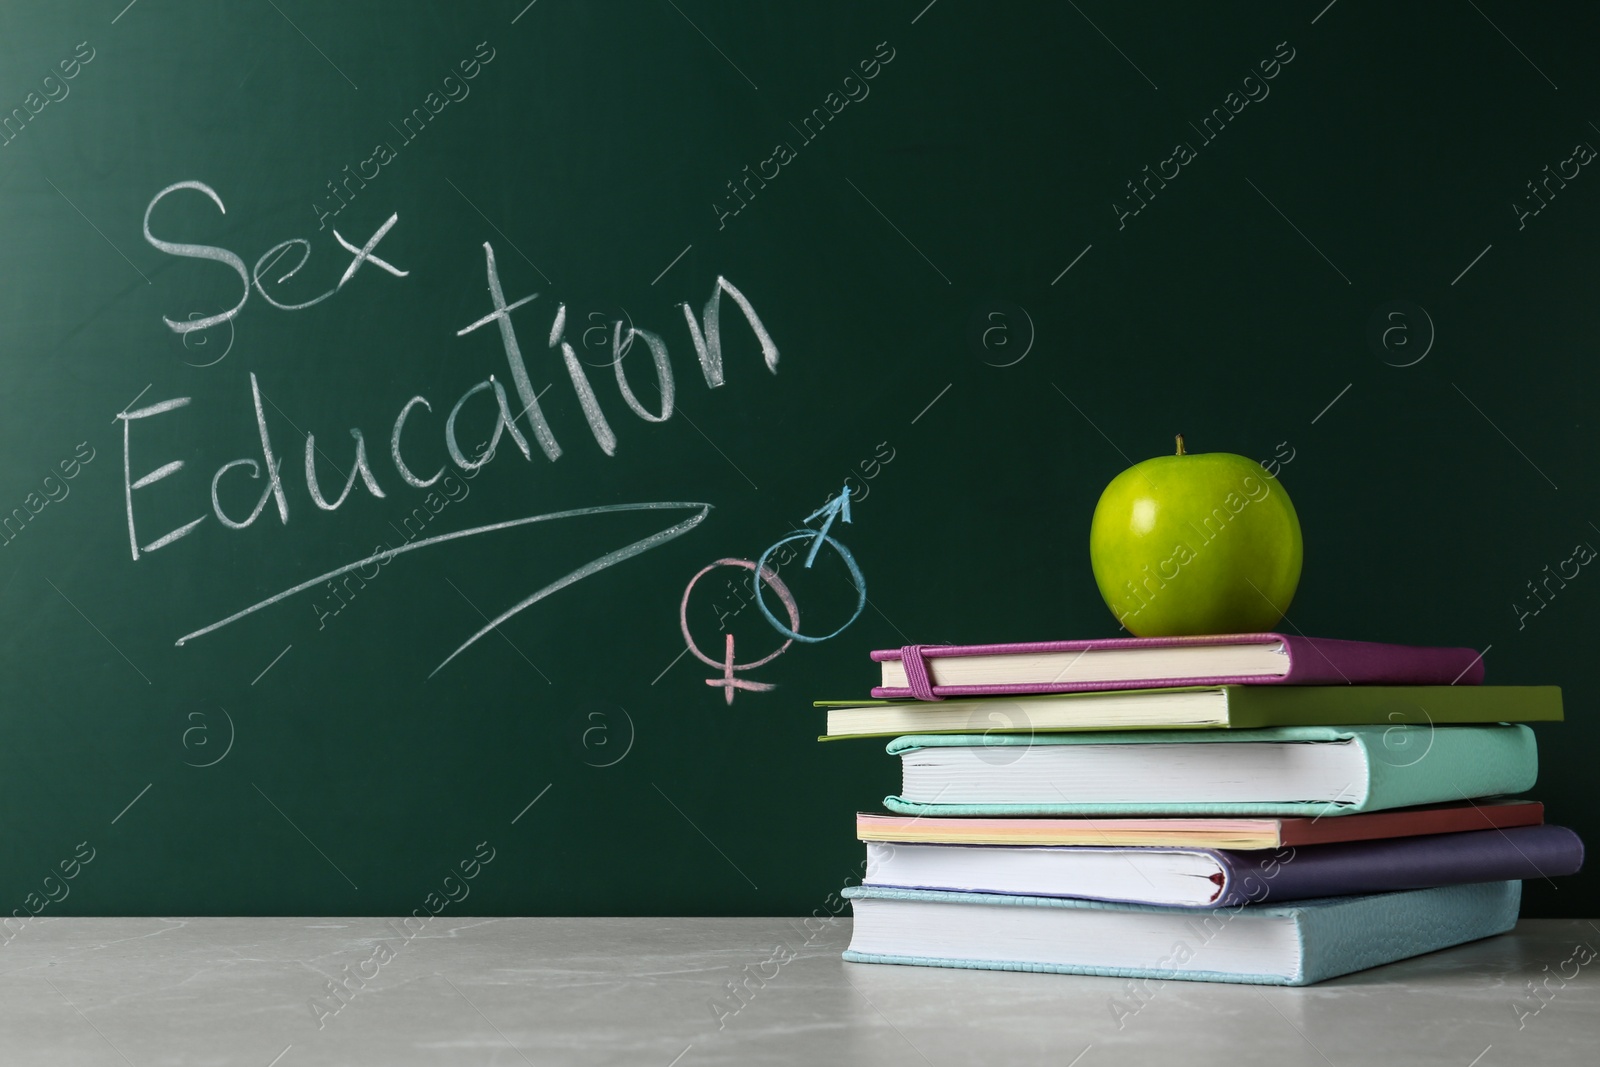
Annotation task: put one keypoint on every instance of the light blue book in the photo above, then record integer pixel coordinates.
(1287, 770)
(1291, 944)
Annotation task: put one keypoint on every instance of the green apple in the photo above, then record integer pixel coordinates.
(1196, 544)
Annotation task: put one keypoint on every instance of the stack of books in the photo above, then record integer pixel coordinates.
(1243, 808)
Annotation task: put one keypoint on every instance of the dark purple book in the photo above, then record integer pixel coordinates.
(1223, 878)
(1394, 864)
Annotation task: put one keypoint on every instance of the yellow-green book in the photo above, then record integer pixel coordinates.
(1199, 707)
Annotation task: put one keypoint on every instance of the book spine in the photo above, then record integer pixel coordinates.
(1369, 931)
(1327, 661)
(1242, 882)
(1262, 706)
(1428, 764)
(1390, 866)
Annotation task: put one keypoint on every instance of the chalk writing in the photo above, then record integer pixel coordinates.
(194, 342)
(836, 508)
(266, 470)
(342, 594)
(592, 567)
(764, 575)
(856, 579)
(728, 683)
(265, 264)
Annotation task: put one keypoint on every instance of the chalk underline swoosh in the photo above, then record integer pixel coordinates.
(642, 545)
(607, 560)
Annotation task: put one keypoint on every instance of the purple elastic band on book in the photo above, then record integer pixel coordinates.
(916, 668)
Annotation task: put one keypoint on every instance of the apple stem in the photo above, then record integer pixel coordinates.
(1180, 445)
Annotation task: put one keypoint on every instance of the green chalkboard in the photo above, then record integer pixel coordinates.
(968, 260)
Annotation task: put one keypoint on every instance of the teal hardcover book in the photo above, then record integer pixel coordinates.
(1262, 944)
(1289, 770)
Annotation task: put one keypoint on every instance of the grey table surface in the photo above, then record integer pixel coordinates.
(501, 992)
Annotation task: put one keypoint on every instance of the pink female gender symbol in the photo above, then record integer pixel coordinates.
(728, 683)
